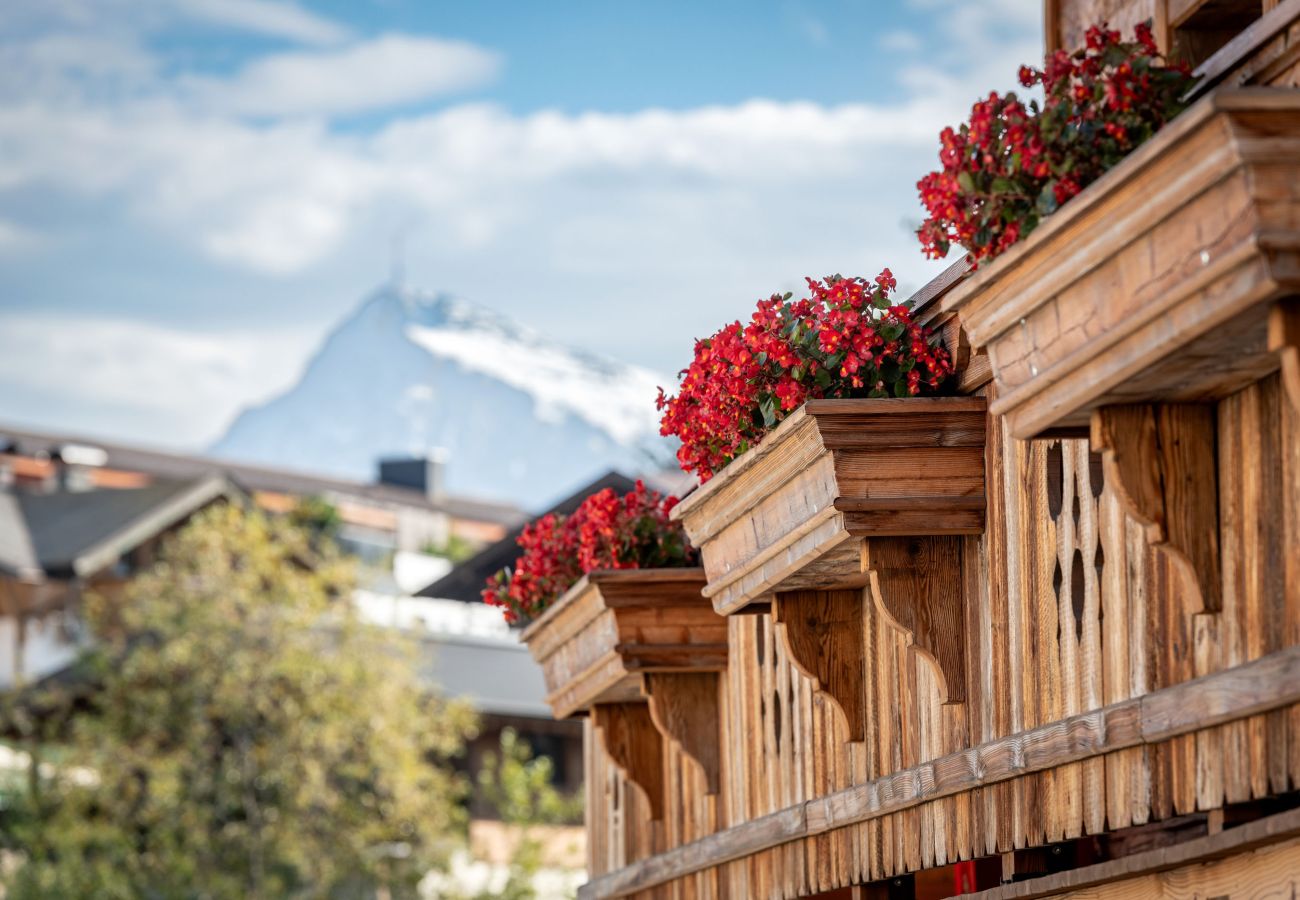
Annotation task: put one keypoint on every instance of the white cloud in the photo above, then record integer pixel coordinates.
(197, 381)
(286, 20)
(272, 18)
(628, 232)
(900, 41)
(387, 71)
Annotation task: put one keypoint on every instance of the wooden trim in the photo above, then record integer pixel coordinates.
(1265, 684)
(1232, 54)
(1242, 839)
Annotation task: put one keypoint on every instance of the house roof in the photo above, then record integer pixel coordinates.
(262, 478)
(18, 557)
(492, 675)
(465, 582)
(77, 533)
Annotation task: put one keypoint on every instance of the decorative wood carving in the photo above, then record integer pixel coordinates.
(1284, 339)
(684, 707)
(1161, 461)
(917, 584)
(823, 632)
(1155, 284)
(635, 745)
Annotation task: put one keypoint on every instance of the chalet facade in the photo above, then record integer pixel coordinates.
(1036, 639)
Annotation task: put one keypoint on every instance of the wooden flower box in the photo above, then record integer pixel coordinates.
(786, 515)
(612, 627)
(1157, 283)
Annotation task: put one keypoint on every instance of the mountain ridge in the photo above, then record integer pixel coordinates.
(521, 416)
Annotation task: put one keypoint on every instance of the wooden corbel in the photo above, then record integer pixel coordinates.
(916, 583)
(635, 746)
(1161, 461)
(684, 707)
(823, 634)
(1284, 340)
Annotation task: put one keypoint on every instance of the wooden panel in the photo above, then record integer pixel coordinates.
(781, 517)
(597, 641)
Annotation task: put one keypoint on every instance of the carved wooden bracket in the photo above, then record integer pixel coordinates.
(1284, 339)
(684, 707)
(823, 633)
(917, 585)
(1161, 460)
(635, 746)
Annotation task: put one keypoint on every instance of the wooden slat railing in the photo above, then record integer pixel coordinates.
(1259, 686)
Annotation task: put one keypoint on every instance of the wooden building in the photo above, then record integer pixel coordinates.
(1038, 639)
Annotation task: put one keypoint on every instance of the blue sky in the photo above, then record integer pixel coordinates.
(193, 191)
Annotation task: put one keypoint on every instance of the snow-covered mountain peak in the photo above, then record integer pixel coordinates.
(523, 416)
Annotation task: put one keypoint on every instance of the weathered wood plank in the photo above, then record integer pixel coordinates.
(1255, 687)
(1269, 832)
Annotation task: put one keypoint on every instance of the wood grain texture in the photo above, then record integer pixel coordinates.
(783, 516)
(1284, 340)
(822, 632)
(684, 707)
(634, 744)
(1161, 461)
(1276, 834)
(916, 583)
(1153, 284)
(596, 643)
(1267, 683)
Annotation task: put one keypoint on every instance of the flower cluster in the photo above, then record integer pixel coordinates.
(846, 339)
(1014, 163)
(605, 532)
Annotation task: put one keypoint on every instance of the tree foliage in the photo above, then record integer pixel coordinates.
(246, 738)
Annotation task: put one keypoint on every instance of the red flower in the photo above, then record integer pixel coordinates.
(605, 532)
(1012, 164)
(844, 336)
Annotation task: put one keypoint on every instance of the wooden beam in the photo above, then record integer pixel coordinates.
(917, 585)
(1231, 842)
(1259, 686)
(1284, 339)
(684, 707)
(635, 746)
(823, 633)
(1162, 462)
(1254, 36)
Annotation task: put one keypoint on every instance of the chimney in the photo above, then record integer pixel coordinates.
(420, 473)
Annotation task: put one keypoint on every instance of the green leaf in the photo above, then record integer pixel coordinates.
(966, 183)
(768, 408)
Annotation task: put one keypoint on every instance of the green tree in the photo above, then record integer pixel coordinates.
(521, 787)
(246, 737)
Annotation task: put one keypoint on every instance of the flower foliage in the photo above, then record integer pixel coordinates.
(605, 532)
(1014, 163)
(846, 339)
